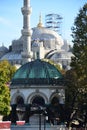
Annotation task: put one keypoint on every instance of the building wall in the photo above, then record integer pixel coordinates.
(47, 92)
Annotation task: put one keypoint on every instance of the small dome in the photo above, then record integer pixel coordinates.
(3, 49)
(12, 56)
(36, 72)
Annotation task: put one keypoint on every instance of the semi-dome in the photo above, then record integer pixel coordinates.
(37, 72)
(54, 54)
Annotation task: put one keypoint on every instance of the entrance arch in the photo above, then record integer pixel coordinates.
(37, 106)
(35, 96)
(38, 100)
(55, 100)
(56, 110)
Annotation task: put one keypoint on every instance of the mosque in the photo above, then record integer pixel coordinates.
(37, 87)
(44, 43)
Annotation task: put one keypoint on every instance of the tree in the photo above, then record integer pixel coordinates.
(79, 34)
(6, 73)
(71, 92)
(79, 62)
(4, 99)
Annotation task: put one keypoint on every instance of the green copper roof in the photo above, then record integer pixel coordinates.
(37, 69)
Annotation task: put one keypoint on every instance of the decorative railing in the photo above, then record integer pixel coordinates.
(36, 81)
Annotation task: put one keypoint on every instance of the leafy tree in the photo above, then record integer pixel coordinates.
(77, 85)
(4, 99)
(6, 73)
(71, 94)
(79, 61)
(79, 34)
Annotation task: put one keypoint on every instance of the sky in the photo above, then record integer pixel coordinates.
(11, 19)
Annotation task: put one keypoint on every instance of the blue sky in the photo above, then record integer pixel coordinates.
(11, 20)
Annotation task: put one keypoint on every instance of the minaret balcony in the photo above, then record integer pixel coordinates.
(26, 32)
(26, 10)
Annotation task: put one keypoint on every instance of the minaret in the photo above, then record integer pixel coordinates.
(26, 32)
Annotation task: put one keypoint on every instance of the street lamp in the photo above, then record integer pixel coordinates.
(39, 121)
(42, 111)
(45, 117)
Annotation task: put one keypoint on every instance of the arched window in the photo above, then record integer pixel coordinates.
(19, 100)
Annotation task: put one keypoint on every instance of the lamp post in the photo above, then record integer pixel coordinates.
(39, 121)
(42, 110)
(45, 118)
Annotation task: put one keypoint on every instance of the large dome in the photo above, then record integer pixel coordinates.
(36, 72)
(50, 38)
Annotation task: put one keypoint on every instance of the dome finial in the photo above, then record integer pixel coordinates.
(40, 21)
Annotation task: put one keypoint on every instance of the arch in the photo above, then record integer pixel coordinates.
(55, 100)
(58, 96)
(38, 100)
(32, 96)
(55, 96)
(16, 96)
(19, 100)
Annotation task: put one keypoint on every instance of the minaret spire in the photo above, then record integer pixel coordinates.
(26, 32)
(40, 21)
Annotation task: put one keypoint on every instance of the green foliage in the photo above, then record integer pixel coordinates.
(79, 29)
(6, 73)
(71, 92)
(71, 89)
(76, 96)
(76, 91)
(4, 99)
(79, 34)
